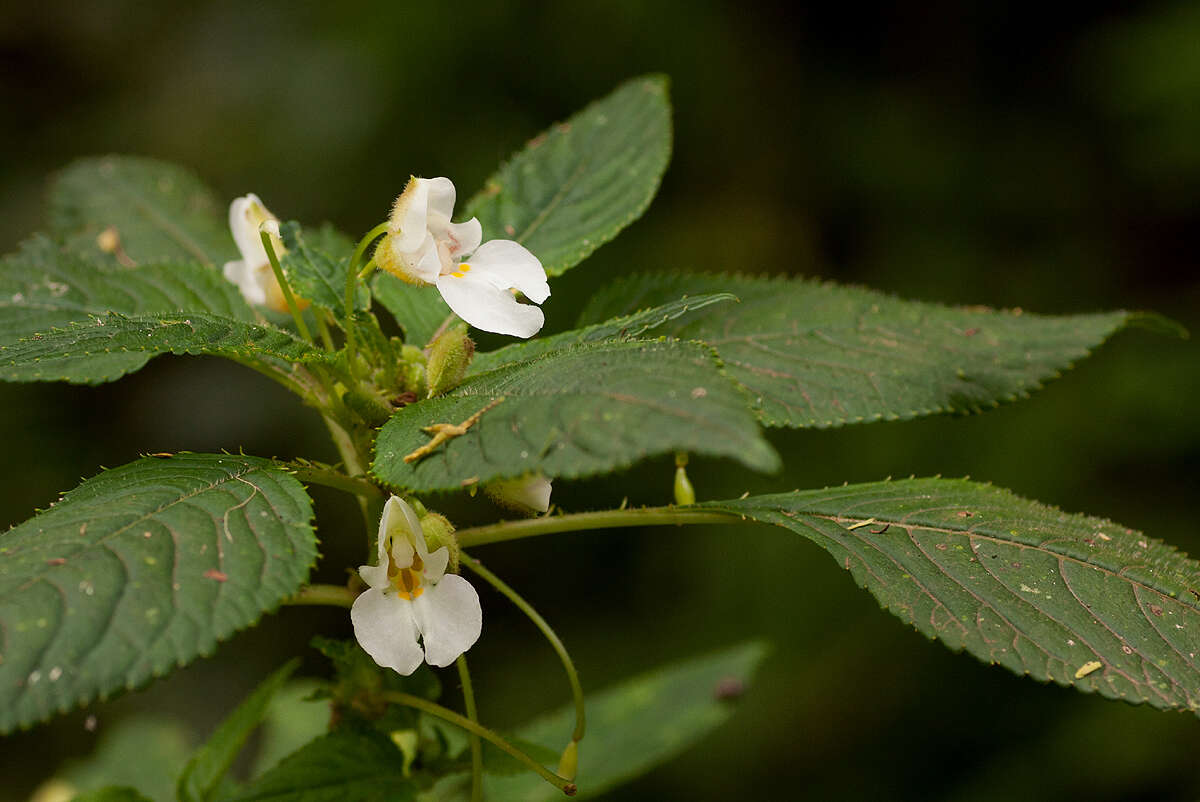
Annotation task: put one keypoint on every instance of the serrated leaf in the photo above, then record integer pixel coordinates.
(575, 412)
(574, 187)
(420, 311)
(344, 766)
(1071, 599)
(816, 354)
(203, 773)
(627, 327)
(43, 286)
(632, 727)
(106, 348)
(315, 275)
(138, 571)
(161, 212)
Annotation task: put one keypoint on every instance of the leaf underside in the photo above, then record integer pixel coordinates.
(574, 187)
(575, 412)
(138, 571)
(161, 212)
(1071, 599)
(816, 354)
(418, 310)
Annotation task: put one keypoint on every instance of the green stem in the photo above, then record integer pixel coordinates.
(464, 676)
(348, 302)
(368, 270)
(606, 519)
(445, 714)
(322, 595)
(328, 477)
(547, 632)
(290, 299)
(323, 329)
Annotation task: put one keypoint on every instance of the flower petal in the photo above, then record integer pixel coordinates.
(246, 214)
(386, 629)
(462, 238)
(440, 192)
(247, 281)
(485, 306)
(508, 264)
(410, 213)
(450, 619)
(528, 494)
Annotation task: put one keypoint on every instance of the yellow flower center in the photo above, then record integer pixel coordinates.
(463, 269)
(407, 582)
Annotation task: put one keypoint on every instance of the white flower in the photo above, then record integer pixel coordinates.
(423, 247)
(529, 493)
(412, 597)
(252, 273)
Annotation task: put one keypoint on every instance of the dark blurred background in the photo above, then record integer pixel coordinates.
(1030, 155)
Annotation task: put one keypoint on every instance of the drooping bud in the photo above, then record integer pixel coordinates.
(449, 357)
(529, 494)
(440, 532)
(685, 494)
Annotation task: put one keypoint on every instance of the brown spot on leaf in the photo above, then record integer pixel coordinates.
(212, 573)
(970, 332)
(729, 688)
(56, 561)
(1158, 611)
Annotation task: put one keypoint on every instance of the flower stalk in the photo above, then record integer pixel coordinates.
(582, 521)
(288, 296)
(468, 691)
(446, 714)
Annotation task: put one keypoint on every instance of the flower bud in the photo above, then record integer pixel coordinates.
(440, 532)
(528, 494)
(685, 494)
(449, 357)
(568, 764)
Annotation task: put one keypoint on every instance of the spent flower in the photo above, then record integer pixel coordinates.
(252, 274)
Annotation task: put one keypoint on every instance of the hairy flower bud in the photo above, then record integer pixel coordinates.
(449, 357)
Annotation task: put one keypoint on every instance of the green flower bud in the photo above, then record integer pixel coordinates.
(449, 357)
(440, 532)
(685, 494)
(568, 764)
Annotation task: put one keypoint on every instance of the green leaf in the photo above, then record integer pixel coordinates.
(816, 354)
(161, 212)
(1072, 599)
(43, 286)
(293, 719)
(112, 793)
(204, 772)
(628, 327)
(420, 311)
(575, 412)
(344, 766)
(316, 276)
(106, 348)
(574, 187)
(632, 728)
(146, 752)
(138, 571)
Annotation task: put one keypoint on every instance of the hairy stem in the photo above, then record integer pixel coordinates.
(288, 297)
(446, 714)
(348, 303)
(547, 632)
(578, 522)
(328, 477)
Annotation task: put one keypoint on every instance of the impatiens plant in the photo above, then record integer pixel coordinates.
(145, 567)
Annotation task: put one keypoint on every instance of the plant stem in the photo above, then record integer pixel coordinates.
(328, 477)
(547, 632)
(348, 303)
(288, 297)
(322, 595)
(605, 519)
(464, 676)
(426, 706)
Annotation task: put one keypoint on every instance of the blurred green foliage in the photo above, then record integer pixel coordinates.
(1001, 154)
